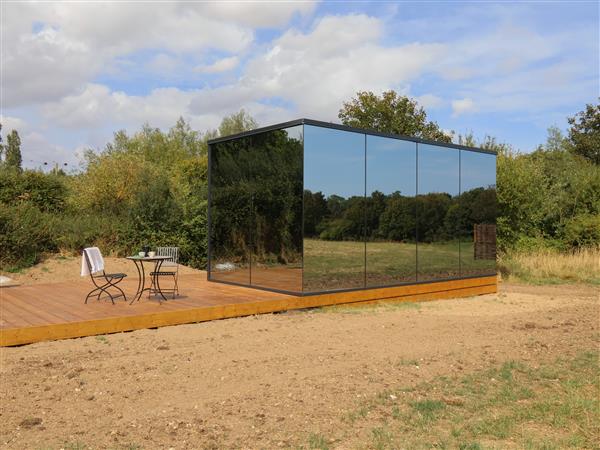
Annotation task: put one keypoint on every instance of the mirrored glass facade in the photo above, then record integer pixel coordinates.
(438, 187)
(334, 175)
(256, 210)
(309, 207)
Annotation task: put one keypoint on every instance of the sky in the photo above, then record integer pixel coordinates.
(74, 73)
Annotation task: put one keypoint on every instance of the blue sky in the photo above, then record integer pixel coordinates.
(73, 73)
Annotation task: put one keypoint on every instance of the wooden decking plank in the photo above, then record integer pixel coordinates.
(41, 314)
(13, 315)
(19, 308)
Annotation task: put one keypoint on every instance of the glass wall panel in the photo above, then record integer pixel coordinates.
(390, 211)
(334, 212)
(230, 211)
(477, 213)
(275, 174)
(437, 212)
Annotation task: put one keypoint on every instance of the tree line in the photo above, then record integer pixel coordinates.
(396, 217)
(151, 188)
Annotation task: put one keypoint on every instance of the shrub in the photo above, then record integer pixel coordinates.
(582, 231)
(336, 230)
(25, 233)
(73, 232)
(47, 191)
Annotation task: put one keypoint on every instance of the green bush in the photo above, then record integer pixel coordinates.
(336, 229)
(47, 191)
(548, 199)
(73, 232)
(582, 231)
(25, 233)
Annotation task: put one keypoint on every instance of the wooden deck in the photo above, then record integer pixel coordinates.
(56, 311)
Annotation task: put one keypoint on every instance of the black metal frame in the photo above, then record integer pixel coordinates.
(340, 127)
(142, 280)
(108, 282)
(337, 126)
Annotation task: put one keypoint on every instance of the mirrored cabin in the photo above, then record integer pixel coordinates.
(308, 207)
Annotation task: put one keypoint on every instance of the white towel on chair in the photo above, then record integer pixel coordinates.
(96, 261)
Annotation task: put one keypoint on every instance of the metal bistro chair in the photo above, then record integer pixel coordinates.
(169, 268)
(94, 262)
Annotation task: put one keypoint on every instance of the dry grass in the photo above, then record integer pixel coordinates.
(549, 406)
(550, 266)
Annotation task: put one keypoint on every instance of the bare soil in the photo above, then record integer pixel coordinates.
(273, 381)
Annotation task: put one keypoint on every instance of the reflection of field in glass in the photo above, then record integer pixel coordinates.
(333, 264)
(340, 264)
(471, 266)
(390, 263)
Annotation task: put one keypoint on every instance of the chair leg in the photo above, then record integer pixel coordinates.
(111, 284)
(105, 291)
(102, 289)
(120, 290)
(90, 294)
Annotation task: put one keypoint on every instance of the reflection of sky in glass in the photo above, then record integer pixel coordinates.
(477, 170)
(334, 161)
(391, 166)
(294, 132)
(334, 164)
(438, 169)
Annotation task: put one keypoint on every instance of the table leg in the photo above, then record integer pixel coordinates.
(156, 277)
(141, 281)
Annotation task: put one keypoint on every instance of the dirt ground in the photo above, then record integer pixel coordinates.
(271, 381)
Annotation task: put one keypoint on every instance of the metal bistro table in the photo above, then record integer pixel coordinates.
(139, 265)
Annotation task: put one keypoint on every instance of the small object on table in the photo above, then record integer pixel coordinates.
(139, 265)
(145, 248)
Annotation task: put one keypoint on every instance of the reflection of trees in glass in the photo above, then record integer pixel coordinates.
(394, 217)
(276, 187)
(230, 201)
(256, 198)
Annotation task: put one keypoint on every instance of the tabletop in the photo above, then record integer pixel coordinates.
(149, 258)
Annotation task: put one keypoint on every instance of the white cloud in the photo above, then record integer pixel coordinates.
(54, 52)
(12, 123)
(430, 101)
(496, 72)
(78, 40)
(96, 105)
(316, 71)
(255, 14)
(221, 65)
(463, 106)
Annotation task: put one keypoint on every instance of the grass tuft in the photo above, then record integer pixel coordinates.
(428, 408)
(317, 441)
(556, 405)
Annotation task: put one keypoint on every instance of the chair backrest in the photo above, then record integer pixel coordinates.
(93, 259)
(171, 252)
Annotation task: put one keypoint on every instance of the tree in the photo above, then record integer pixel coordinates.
(237, 123)
(1, 145)
(584, 133)
(390, 113)
(315, 210)
(13, 151)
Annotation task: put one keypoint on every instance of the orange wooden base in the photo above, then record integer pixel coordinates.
(41, 313)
